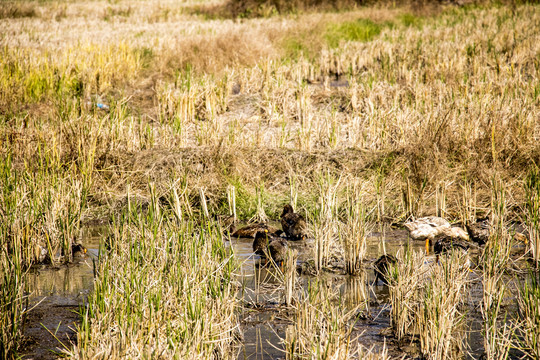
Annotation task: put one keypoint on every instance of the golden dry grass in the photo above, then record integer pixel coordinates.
(422, 108)
(452, 99)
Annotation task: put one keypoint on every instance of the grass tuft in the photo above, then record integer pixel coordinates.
(361, 30)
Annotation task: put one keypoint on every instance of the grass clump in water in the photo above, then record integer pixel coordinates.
(529, 314)
(323, 326)
(12, 299)
(165, 279)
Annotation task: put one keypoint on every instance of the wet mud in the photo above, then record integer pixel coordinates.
(50, 327)
(264, 324)
(56, 295)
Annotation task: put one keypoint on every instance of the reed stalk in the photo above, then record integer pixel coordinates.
(231, 200)
(440, 318)
(325, 221)
(355, 231)
(532, 205)
(495, 260)
(322, 327)
(290, 277)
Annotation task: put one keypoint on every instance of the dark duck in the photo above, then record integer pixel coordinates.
(293, 224)
(382, 268)
(479, 231)
(78, 250)
(267, 246)
(445, 244)
(249, 231)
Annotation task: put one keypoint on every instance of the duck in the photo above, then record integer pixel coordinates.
(382, 267)
(266, 245)
(250, 231)
(41, 254)
(427, 228)
(444, 244)
(521, 237)
(479, 231)
(78, 250)
(278, 250)
(293, 224)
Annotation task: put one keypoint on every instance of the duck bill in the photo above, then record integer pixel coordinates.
(427, 246)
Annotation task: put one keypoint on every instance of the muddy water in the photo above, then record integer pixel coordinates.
(263, 327)
(56, 295)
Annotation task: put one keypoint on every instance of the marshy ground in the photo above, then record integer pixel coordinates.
(152, 123)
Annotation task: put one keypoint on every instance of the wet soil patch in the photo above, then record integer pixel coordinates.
(56, 295)
(50, 327)
(264, 318)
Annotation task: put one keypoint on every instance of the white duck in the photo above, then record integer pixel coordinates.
(427, 228)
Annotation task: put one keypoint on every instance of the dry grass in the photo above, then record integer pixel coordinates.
(404, 94)
(427, 303)
(441, 318)
(407, 280)
(165, 280)
(323, 328)
(420, 109)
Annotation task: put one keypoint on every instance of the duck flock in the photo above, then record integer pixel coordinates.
(270, 243)
(438, 233)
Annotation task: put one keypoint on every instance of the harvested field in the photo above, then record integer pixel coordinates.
(157, 124)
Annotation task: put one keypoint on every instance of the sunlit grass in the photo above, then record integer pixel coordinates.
(372, 114)
(164, 279)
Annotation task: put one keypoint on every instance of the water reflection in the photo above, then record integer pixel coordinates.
(355, 291)
(69, 280)
(262, 341)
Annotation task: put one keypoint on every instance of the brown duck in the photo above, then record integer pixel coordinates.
(266, 245)
(382, 267)
(293, 224)
(249, 231)
(479, 231)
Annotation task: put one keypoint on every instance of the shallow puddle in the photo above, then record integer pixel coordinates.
(55, 297)
(263, 327)
(58, 293)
